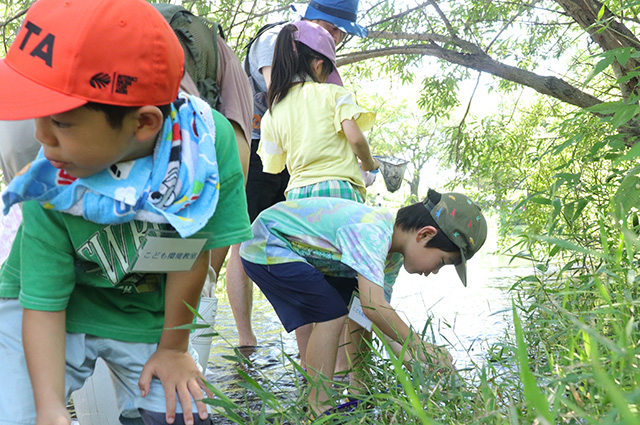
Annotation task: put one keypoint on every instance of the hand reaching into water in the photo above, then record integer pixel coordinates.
(430, 355)
(436, 357)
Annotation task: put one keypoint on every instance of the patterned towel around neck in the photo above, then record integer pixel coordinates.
(178, 184)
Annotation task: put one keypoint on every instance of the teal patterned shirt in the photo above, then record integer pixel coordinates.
(336, 236)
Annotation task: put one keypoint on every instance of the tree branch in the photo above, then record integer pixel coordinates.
(430, 37)
(547, 85)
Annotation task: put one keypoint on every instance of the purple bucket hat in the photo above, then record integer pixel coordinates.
(317, 38)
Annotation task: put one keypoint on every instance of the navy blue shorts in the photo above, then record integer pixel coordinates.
(300, 294)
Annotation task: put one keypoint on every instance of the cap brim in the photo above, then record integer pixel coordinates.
(334, 78)
(345, 25)
(462, 269)
(21, 98)
(462, 273)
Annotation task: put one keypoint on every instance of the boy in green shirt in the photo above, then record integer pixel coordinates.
(126, 160)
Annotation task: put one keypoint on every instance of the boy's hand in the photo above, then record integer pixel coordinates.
(436, 356)
(179, 374)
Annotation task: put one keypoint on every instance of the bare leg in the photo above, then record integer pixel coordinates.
(240, 293)
(302, 338)
(217, 257)
(321, 358)
(342, 362)
(355, 350)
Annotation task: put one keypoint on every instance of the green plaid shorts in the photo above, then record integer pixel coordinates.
(327, 189)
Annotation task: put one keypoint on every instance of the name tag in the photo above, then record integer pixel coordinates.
(357, 315)
(162, 254)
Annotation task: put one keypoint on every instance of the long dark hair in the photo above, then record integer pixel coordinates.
(292, 64)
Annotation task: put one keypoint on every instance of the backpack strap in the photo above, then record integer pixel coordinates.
(261, 31)
(198, 38)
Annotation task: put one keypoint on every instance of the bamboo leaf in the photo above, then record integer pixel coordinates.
(572, 247)
(535, 398)
(612, 389)
(623, 115)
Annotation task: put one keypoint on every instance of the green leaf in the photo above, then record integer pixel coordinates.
(582, 203)
(535, 398)
(417, 409)
(540, 200)
(631, 154)
(623, 55)
(570, 141)
(623, 115)
(628, 194)
(572, 247)
(606, 108)
(599, 67)
(557, 207)
(629, 76)
(612, 390)
(601, 12)
(569, 210)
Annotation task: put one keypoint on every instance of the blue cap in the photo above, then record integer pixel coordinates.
(341, 13)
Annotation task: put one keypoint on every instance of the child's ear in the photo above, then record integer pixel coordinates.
(317, 67)
(149, 121)
(426, 233)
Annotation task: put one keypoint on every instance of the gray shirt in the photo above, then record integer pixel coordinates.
(261, 55)
(18, 146)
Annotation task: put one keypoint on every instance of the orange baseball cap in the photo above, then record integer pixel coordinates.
(70, 52)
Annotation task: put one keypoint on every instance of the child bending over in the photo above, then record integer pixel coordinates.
(298, 244)
(124, 157)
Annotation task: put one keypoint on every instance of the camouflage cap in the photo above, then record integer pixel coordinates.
(462, 221)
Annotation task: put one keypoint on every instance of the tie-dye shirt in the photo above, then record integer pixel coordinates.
(338, 237)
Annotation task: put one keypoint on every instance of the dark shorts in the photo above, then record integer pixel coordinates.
(263, 189)
(300, 294)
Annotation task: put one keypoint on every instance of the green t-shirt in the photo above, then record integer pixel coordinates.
(60, 261)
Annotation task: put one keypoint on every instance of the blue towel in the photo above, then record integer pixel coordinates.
(178, 184)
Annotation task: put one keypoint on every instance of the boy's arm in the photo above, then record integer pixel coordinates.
(171, 362)
(359, 145)
(380, 312)
(43, 336)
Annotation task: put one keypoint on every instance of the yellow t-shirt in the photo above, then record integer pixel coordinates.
(304, 132)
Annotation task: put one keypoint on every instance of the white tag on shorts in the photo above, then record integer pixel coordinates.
(162, 254)
(357, 315)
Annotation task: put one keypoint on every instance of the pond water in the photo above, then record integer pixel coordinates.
(466, 320)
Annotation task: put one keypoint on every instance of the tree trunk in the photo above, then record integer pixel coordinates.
(608, 32)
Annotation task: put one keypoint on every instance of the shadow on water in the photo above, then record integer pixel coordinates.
(465, 320)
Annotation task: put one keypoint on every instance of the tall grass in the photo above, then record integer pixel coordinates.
(573, 358)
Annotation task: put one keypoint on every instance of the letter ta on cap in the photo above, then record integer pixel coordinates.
(70, 52)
